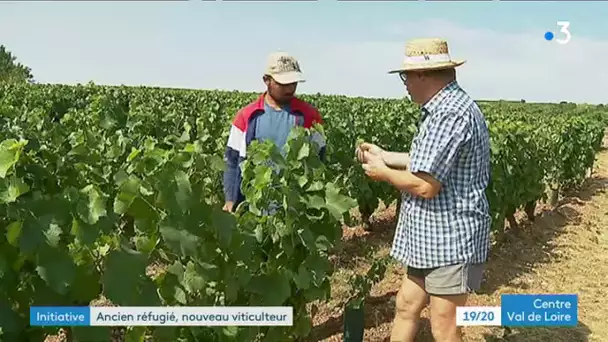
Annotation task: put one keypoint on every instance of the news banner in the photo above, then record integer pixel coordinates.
(515, 310)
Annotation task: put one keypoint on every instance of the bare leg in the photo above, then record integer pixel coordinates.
(411, 299)
(443, 317)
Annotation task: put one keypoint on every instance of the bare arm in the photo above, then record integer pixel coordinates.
(418, 184)
(436, 155)
(396, 160)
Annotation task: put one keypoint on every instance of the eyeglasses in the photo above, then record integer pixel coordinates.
(402, 77)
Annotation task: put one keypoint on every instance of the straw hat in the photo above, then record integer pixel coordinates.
(427, 54)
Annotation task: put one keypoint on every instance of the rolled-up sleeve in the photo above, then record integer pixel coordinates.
(438, 147)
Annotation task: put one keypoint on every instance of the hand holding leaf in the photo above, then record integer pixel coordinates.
(364, 147)
(374, 166)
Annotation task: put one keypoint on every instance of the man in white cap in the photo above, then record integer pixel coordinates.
(443, 231)
(270, 117)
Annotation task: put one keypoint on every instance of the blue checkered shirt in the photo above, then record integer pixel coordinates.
(453, 145)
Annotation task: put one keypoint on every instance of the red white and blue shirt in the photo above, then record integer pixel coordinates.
(259, 121)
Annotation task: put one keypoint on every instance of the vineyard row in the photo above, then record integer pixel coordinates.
(115, 193)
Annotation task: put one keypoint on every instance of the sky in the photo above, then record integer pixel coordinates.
(344, 47)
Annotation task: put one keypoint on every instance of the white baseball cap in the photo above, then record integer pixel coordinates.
(284, 68)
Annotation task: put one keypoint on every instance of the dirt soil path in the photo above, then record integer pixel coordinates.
(565, 250)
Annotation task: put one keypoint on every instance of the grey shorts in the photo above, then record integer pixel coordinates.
(450, 280)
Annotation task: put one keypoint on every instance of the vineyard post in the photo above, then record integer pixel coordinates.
(529, 209)
(554, 196)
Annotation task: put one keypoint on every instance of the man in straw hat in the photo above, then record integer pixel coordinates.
(270, 117)
(443, 231)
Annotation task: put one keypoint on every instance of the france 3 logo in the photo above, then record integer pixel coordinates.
(564, 30)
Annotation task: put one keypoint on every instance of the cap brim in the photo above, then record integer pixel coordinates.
(421, 67)
(288, 77)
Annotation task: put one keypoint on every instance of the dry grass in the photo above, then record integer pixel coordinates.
(564, 251)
